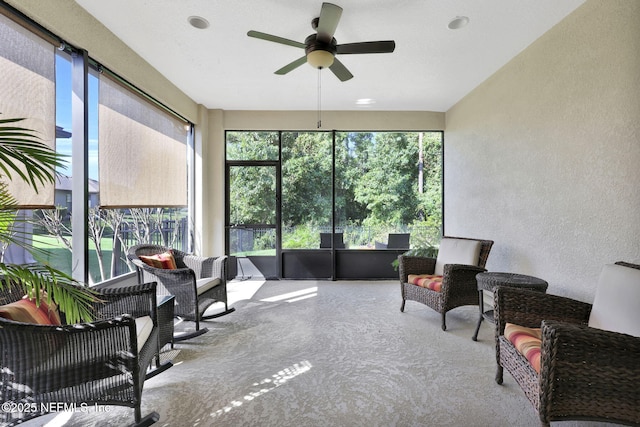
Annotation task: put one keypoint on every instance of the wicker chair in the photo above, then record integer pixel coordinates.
(459, 285)
(585, 373)
(186, 283)
(80, 364)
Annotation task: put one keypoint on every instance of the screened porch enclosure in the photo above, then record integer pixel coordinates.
(330, 205)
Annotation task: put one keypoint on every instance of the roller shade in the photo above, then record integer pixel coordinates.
(142, 151)
(27, 90)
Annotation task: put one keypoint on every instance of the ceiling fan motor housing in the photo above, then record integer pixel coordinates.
(312, 43)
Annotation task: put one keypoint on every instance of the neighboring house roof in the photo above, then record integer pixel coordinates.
(65, 183)
(61, 133)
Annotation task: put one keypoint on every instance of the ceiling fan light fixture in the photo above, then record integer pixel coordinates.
(458, 22)
(320, 59)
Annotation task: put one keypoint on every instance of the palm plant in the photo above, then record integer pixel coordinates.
(24, 156)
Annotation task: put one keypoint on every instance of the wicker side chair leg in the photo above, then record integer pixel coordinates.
(402, 306)
(444, 321)
(499, 375)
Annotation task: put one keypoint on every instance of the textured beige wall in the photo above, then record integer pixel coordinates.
(544, 156)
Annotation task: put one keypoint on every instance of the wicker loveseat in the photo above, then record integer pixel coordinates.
(574, 371)
(103, 362)
(196, 282)
(453, 271)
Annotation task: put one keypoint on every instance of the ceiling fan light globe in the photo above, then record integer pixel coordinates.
(320, 59)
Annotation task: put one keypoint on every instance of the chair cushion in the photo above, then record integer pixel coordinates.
(615, 306)
(457, 251)
(164, 260)
(26, 311)
(203, 285)
(429, 281)
(528, 342)
(144, 326)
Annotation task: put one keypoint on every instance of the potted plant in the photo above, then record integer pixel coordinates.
(24, 156)
(422, 248)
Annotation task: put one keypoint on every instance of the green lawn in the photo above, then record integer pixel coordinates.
(58, 256)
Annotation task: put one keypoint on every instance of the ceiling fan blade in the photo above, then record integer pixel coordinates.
(340, 70)
(386, 46)
(328, 22)
(292, 66)
(276, 39)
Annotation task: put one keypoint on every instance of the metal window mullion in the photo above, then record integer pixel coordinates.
(80, 166)
(191, 189)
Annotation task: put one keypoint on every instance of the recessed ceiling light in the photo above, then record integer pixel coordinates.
(198, 22)
(458, 22)
(363, 102)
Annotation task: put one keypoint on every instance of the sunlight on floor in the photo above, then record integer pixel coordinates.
(266, 385)
(294, 296)
(242, 290)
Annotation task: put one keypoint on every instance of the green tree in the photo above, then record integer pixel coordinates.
(388, 187)
(352, 153)
(306, 178)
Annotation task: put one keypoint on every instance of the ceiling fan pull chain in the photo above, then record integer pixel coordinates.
(319, 98)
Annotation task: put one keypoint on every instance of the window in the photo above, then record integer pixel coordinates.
(128, 131)
(340, 190)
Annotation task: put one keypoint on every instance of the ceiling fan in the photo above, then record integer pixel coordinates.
(321, 48)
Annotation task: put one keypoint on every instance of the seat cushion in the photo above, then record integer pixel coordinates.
(457, 251)
(144, 326)
(26, 311)
(203, 285)
(615, 306)
(528, 342)
(164, 260)
(429, 281)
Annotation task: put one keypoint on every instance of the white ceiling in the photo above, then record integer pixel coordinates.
(431, 69)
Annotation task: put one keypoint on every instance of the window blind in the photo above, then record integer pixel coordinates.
(27, 90)
(142, 151)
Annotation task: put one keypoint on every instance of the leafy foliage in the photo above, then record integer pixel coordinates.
(376, 183)
(21, 146)
(43, 281)
(25, 155)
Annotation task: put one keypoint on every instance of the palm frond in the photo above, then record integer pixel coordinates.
(74, 300)
(22, 152)
(21, 146)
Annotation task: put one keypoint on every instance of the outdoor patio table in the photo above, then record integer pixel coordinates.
(490, 280)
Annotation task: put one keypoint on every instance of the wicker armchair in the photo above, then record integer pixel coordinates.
(459, 285)
(585, 373)
(80, 364)
(197, 283)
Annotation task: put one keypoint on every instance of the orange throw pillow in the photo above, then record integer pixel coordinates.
(26, 311)
(164, 260)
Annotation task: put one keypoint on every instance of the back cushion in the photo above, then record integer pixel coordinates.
(457, 251)
(616, 306)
